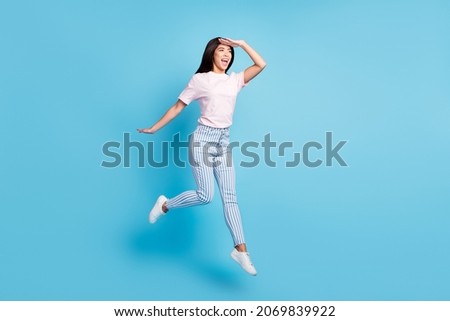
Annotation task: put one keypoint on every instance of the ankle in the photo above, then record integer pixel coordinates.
(241, 247)
(164, 207)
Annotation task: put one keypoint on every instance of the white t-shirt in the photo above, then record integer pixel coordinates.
(216, 94)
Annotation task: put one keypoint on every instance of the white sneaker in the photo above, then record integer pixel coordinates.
(157, 210)
(243, 258)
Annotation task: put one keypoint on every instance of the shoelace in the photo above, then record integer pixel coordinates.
(248, 255)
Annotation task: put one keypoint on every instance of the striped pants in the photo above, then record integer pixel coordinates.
(210, 158)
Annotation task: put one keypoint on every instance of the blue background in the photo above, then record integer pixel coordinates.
(76, 74)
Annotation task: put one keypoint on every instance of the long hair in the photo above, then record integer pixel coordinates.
(208, 56)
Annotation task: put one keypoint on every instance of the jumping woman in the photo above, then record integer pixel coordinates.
(216, 92)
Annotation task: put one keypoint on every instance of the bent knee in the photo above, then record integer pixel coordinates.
(205, 198)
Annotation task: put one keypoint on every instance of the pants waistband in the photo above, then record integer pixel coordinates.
(214, 128)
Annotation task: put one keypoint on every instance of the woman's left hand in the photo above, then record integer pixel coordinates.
(231, 42)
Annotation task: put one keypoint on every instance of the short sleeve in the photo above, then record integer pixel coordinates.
(191, 92)
(240, 80)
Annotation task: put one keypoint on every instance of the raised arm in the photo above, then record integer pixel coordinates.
(258, 62)
(170, 114)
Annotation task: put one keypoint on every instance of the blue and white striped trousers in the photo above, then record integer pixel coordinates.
(209, 157)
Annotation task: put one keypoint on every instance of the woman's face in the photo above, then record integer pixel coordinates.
(222, 58)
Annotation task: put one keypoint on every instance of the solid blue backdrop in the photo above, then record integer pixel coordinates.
(77, 74)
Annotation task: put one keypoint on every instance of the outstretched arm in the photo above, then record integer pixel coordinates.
(170, 114)
(259, 63)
